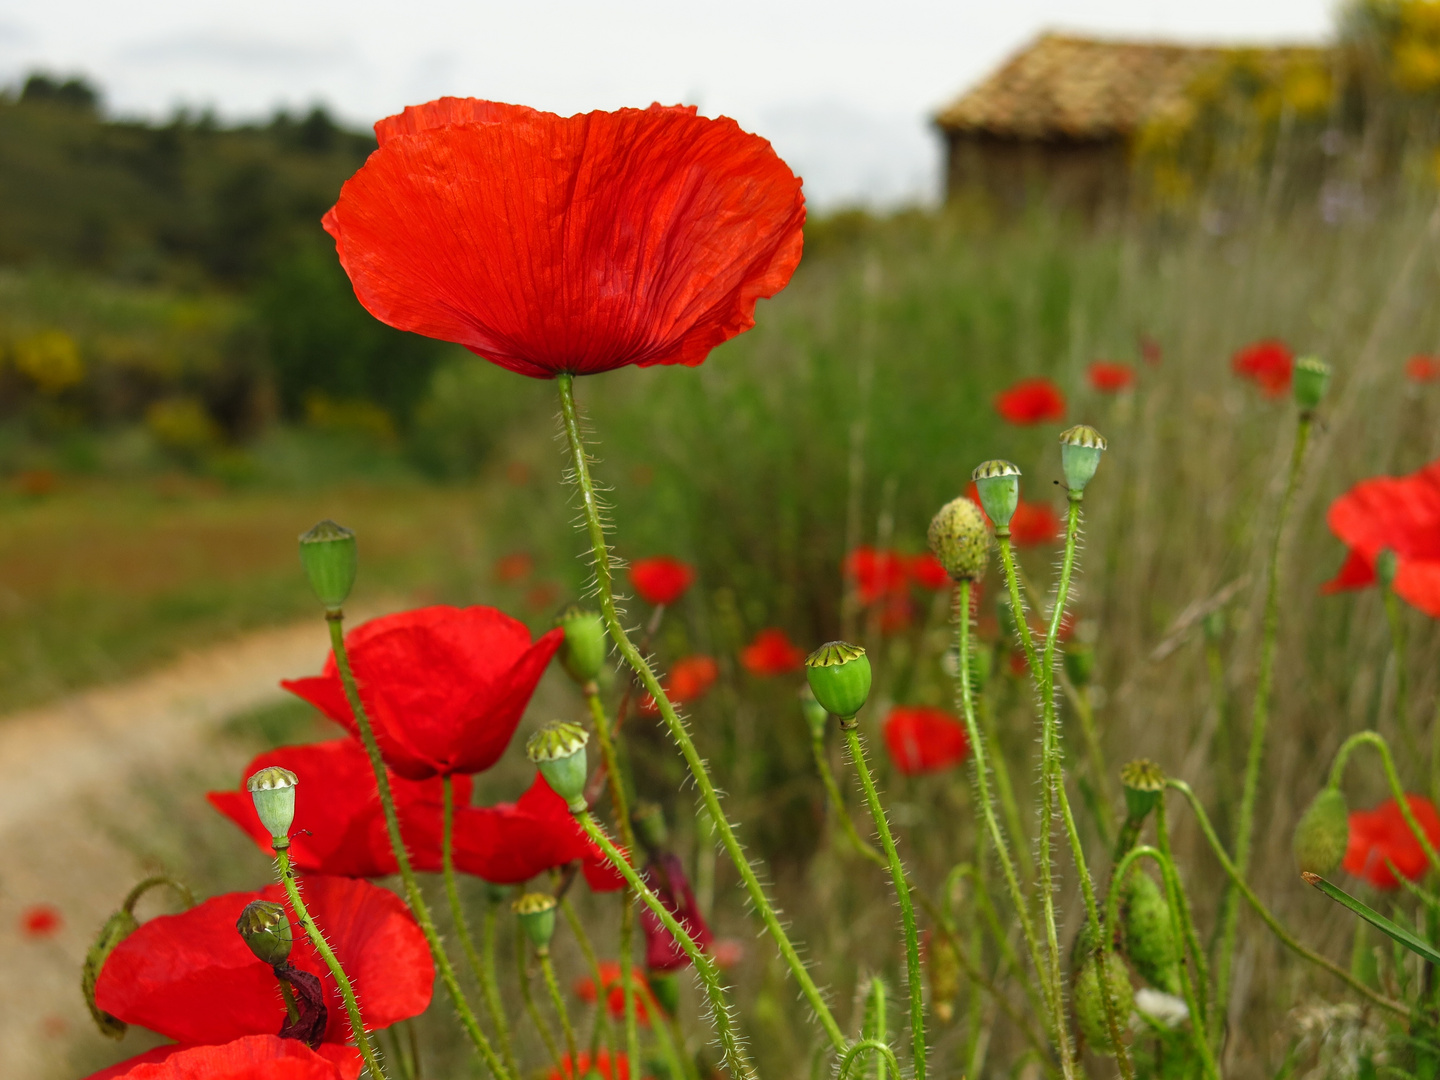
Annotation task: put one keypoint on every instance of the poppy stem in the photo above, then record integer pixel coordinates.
(902, 892)
(488, 995)
(832, 789)
(557, 999)
(523, 977)
(1187, 917)
(1371, 738)
(592, 962)
(627, 973)
(317, 939)
(1003, 785)
(336, 621)
(1055, 1008)
(292, 1011)
(704, 964)
(1274, 924)
(605, 593)
(1259, 719)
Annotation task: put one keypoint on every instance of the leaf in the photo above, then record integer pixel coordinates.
(1415, 944)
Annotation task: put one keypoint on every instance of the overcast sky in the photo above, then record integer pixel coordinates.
(844, 89)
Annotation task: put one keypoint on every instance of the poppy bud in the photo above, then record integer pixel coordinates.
(666, 988)
(273, 791)
(1323, 833)
(1147, 934)
(1080, 450)
(839, 675)
(1387, 565)
(1312, 379)
(583, 652)
(959, 540)
(815, 714)
(1144, 781)
(116, 929)
(558, 750)
(327, 552)
(266, 929)
(1079, 662)
(998, 485)
(1090, 1002)
(536, 912)
(649, 822)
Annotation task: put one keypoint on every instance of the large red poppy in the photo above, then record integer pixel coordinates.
(340, 826)
(1399, 514)
(1109, 377)
(772, 653)
(1268, 364)
(253, 1057)
(551, 244)
(876, 572)
(1033, 524)
(923, 739)
(661, 579)
(444, 687)
(1031, 401)
(191, 978)
(1380, 839)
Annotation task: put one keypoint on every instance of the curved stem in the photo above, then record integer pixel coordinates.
(1371, 738)
(1274, 924)
(317, 939)
(1260, 717)
(605, 594)
(902, 893)
(847, 1059)
(402, 857)
(557, 999)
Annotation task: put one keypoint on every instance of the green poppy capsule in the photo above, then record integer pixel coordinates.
(328, 554)
(558, 751)
(998, 485)
(839, 675)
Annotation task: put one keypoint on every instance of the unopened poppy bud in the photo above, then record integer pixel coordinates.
(998, 485)
(582, 654)
(116, 929)
(1144, 783)
(1387, 565)
(266, 929)
(1312, 379)
(1323, 833)
(649, 822)
(959, 540)
(1079, 663)
(839, 675)
(666, 988)
(1147, 934)
(558, 750)
(815, 714)
(1090, 1013)
(273, 791)
(327, 552)
(1080, 449)
(536, 912)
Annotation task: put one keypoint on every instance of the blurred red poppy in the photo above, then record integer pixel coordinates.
(1033, 524)
(772, 653)
(1031, 401)
(1380, 839)
(876, 573)
(513, 567)
(1150, 350)
(191, 978)
(551, 244)
(661, 580)
(897, 612)
(727, 952)
(614, 987)
(606, 1065)
(927, 572)
(689, 680)
(665, 875)
(1422, 368)
(41, 921)
(1268, 364)
(1399, 514)
(444, 687)
(253, 1057)
(1110, 378)
(924, 739)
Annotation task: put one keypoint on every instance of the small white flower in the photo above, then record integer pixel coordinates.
(1163, 1008)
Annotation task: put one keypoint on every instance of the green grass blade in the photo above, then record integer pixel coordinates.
(1415, 944)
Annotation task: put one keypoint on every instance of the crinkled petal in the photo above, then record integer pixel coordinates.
(254, 1057)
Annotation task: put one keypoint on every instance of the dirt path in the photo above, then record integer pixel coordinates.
(69, 769)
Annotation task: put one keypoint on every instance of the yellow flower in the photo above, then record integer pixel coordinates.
(50, 359)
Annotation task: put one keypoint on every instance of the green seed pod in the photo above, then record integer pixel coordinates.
(558, 750)
(650, 827)
(582, 654)
(266, 929)
(959, 540)
(1387, 565)
(839, 675)
(1089, 1002)
(998, 485)
(666, 988)
(273, 791)
(1323, 833)
(815, 714)
(1146, 933)
(116, 929)
(1144, 783)
(1079, 662)
(327, 552)
(1312, 379)
(536, 912)
(1080, 449)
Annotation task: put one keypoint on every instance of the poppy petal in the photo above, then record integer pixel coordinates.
(254, 1057)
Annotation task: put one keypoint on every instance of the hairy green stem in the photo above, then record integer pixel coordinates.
(1099, 774)
(592, 964)
(1371, 738)
(557, 999)
(1009, 808)
(847, 1059)
(522, 971)
(489, 984)
(632, 656)
(1187, 917)
(627, 973)
(837, 802)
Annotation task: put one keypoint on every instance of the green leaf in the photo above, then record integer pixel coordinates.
(1415, 944)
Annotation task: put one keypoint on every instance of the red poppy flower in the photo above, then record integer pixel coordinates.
(614, 987)
(254, 1057)
(727, 952)
(927, 572)
(876, 573)
(513, 567)
(923, 739)
(1380, 839)
(689, 680)
(1111, 378)
(1401, 514)
(661, 580)
(41, 921)
(896, 613)
(1422, 368)
(665, 875)
(1268, 364)
(607, 1065)
(1034, 523)
(1031, 401)
(551, 244)
(444, 687)
(191, 978)
(772, 653)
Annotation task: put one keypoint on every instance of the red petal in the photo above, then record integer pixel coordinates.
(661, 579)
(254, 1057)
(924, 739)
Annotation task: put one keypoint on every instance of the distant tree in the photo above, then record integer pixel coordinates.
(72, 93)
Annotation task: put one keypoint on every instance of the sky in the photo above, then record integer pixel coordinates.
(844, 89)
